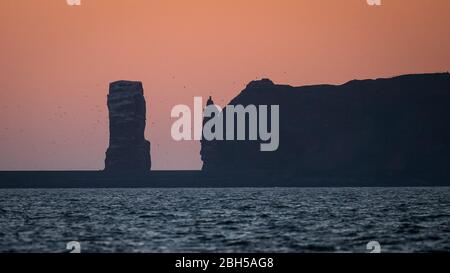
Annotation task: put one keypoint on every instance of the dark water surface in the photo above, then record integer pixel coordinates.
(226, 220)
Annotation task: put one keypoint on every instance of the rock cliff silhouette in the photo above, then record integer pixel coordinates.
(128, 150)
(364, 128)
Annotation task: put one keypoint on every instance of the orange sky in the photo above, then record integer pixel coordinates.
(56, 63)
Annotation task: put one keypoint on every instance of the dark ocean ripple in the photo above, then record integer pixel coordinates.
(226, 220)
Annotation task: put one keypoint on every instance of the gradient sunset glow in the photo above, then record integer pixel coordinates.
(57, 61)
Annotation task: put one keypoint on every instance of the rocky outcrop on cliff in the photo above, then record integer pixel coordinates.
(209, 148)
(364, 128)
(128, 150)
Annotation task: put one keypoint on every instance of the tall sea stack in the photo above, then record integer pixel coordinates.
(128, 150)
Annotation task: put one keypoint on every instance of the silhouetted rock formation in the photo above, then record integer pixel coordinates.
(209, 148)
(364, 128)
(128, 150)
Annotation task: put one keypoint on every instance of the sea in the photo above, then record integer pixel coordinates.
(160, 220)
